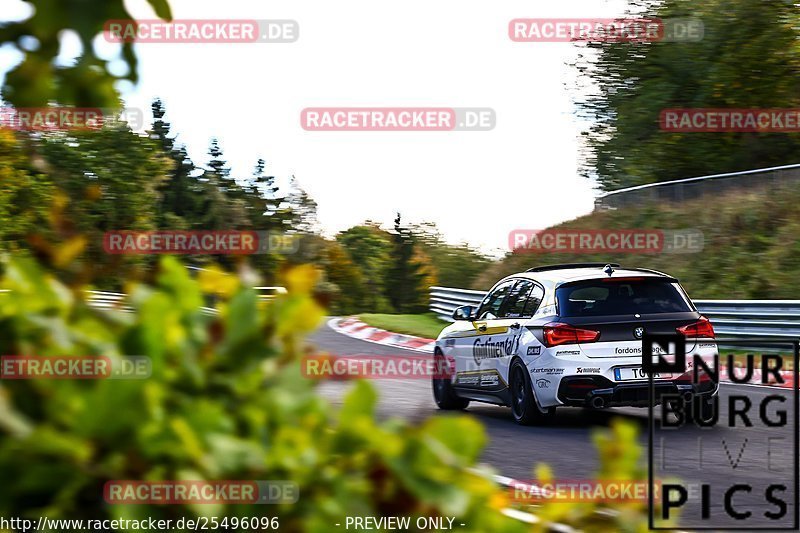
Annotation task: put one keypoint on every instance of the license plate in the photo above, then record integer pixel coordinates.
(637, 373)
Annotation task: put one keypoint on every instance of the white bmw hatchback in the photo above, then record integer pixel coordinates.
(570, 335)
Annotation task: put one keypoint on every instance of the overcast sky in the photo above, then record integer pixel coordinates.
(476, 186)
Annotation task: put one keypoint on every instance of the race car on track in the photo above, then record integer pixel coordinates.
(570, 335)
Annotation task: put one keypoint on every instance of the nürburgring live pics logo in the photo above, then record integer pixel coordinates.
(740, 471)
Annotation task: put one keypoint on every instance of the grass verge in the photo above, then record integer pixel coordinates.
(426, 325)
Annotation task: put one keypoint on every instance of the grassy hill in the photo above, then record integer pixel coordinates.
(752, 245)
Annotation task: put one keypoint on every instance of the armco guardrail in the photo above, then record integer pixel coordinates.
(778, 319)
(444, 300)
(113, 300)
(690, 188)
(116, 301)
(740, 319)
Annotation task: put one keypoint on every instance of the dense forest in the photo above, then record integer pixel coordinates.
(61, 191)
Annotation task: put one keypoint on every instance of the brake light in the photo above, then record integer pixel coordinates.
(702, 329)
(556, 333)
(688, 376)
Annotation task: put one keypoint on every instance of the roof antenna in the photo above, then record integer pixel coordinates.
(608, 269)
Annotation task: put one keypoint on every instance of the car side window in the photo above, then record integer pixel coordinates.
(517, 298)
(534, 300)
(490, 307)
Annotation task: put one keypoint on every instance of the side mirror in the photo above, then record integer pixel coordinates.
(463, 313)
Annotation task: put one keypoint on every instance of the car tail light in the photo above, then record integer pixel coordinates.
(702, 329)
(556, 333)
(688, 376)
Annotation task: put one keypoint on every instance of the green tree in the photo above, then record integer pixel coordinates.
(264, 206)
(179, 194)
(102, 180)
(302, 207)
(405, 287)
(748, 58)
(348, 296)
(370, 247)
(223, 206)
(25, 195)
(453, 265)
(218, 172)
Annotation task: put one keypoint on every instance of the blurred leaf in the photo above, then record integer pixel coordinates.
(69, 250)
(162, 9)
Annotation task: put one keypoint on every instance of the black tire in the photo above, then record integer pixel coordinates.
(524, 407)
(443, 392)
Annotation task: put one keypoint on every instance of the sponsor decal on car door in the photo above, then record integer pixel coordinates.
(490, 353)
(477, 349)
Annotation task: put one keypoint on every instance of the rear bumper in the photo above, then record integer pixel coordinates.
(598, 391)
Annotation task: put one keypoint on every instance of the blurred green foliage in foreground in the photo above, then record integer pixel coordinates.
(226, 401)
(88, 81)
(620, 461)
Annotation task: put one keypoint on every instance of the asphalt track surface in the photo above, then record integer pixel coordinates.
(718, 456)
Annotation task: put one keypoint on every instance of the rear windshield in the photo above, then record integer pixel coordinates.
(599, 297)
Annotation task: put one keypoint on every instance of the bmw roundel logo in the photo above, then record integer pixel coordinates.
(638, 332)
